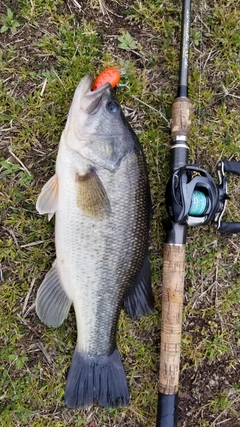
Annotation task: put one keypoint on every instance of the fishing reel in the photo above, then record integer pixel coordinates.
(193, 198)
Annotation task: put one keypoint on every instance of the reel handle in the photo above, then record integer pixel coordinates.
(222, 167)
(229, 227)
(231, 167)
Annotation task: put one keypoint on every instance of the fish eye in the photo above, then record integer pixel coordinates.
(112, 107)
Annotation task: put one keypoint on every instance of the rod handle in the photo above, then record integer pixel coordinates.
(171, 326)
(182, 109)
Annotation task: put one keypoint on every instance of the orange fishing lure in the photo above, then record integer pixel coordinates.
(109, 75)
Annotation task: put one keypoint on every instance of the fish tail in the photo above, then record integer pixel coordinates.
(99, 378)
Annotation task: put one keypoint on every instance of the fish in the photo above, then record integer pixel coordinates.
(101, 200)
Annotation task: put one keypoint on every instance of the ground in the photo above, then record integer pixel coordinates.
(46, 47)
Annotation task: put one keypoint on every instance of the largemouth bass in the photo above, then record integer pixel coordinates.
(100, 195)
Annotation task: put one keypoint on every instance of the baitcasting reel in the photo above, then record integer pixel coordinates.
(193, 198)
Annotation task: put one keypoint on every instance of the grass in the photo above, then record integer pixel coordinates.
(41, 61)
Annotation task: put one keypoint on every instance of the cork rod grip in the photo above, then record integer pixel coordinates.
(181, 117)
(171, 328)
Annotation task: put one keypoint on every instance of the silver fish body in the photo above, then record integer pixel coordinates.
(100, 195)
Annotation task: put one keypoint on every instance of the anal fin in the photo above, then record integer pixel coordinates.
(139, 300)
(52, 303)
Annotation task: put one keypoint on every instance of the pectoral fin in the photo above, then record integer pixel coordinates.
(48, 198)
(52, 303)
(92, 197)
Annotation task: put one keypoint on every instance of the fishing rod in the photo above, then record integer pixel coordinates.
(192, 198)
(174, 247)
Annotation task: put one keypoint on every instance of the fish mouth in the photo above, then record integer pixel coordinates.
(87, 85)
(91, 100)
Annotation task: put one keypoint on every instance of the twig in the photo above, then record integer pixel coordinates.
(212, 51)
(44, 87)
(224, 421)
(10, 231)
(113, 13)
(152, 108)
(1, 274)
(29, 310)
(43, 349)
(236, 247)
(223, 412)
(28, 296)
(19, 161)
(32, 244)
(56, 74)
(76, 4)
(102, 7)
(226, 92)
(7, 129)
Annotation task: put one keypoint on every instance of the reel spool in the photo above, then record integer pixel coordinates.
(191, 196)
(198, 203)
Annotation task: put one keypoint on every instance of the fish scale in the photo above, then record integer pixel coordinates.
(116, 237)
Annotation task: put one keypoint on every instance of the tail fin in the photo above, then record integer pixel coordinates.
(99, 378)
